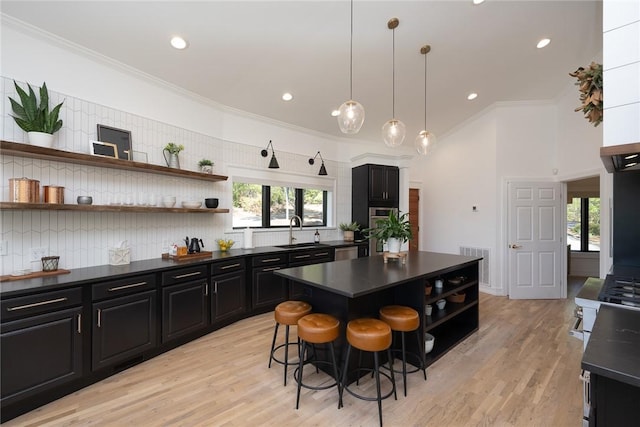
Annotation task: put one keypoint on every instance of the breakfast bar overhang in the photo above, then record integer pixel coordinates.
(359, 287)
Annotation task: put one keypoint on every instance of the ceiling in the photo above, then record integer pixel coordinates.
(246, 54)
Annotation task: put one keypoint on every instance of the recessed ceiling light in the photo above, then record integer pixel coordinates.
(287, 96)
(335, 113)
(478, 1)
(542, 43)
(178, 42)
(472, 96)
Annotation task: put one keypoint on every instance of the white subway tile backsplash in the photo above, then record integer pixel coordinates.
(82, 239)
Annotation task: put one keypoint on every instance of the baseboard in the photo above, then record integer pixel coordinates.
(489, 290)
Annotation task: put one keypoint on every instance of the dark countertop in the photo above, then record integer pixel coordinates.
(90, 275)
(357, 277)
(613, 350)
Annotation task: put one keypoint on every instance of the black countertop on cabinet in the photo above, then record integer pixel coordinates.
(613, 350)
(356, 277)
(89, 275)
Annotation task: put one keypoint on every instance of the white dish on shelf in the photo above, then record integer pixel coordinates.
(428, 342)
(191, 204)
(168, 204)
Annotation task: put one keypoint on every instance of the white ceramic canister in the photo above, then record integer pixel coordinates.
(248, 238)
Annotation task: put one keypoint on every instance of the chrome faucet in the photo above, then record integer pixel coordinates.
(291, 238)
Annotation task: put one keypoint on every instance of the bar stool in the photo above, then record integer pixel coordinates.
(404, 319)
(317, 328)
(371, 335)
(287, 313)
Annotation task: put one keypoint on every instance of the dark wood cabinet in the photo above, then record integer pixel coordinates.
(228, 294)
(363, 250)
(184, 309)
(374, 185)
(40, 344)
(307, 257)
(268, 290)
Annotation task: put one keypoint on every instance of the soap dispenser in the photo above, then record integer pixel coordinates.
(316, 237)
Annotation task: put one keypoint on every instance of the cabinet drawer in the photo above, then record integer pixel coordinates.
(47, 302)
(312, 256)
(227, 266)
(122, 287)
(271, 259)
(184, 274)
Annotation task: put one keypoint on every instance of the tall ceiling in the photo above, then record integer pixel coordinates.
(246, 54)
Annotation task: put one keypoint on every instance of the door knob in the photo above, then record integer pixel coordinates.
(514, 246)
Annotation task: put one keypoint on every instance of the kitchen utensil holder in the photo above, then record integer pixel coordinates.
(119, 256)
(50, 263)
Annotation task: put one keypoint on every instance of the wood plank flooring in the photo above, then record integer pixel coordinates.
(520, 369)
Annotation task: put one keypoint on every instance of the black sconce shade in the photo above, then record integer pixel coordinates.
(323, 170)
(273, 164)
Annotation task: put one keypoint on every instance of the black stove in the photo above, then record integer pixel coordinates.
(623, 290)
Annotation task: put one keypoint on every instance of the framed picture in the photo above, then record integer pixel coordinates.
(105, 149)
(119, 137)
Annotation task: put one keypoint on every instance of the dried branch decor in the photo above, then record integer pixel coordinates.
(590, 86)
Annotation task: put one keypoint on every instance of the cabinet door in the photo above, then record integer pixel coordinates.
(227, 296)
(393, 186)
(377, 183)
(122, 328)
(268, 289)
(184, 309)
(40, 353)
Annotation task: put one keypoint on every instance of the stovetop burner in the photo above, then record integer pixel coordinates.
(621, 290)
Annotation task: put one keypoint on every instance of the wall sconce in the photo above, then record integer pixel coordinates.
(323, 170)
(273, 164)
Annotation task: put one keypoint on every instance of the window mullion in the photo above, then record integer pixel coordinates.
(266, 204)
(584, 224)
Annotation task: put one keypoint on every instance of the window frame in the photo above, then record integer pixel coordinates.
(584, 225)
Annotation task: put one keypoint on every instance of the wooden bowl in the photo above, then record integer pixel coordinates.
(457, 280)
(427, 289)
(457, 297)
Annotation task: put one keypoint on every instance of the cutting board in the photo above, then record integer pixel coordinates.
(10, 278)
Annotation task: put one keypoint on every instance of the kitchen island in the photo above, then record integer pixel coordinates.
(357, 288)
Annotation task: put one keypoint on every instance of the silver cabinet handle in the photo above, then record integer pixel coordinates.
(271, 268)
(99, 318)
(182, 276)
(215, 287)
(302, 256)
(133, 285)
(229, 266)
(80, 323)
(322, 254)
(206, 289)
(270, 260)
(36, 304)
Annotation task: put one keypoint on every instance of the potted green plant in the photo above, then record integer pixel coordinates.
(34, 117)
(394, 230)
(206, 165)
(173, 149)
(348, 230)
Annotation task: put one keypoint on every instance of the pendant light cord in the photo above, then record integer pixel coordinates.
(351, 56)
(425, 91)
(393, 77)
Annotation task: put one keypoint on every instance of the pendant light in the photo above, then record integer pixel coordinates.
(425, 141)
(323, 170)
(273, 164)
(394, 130)
(351, 113)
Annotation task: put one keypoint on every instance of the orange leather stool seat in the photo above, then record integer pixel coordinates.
(317, 328)
(400, 318)
(287, 313)
(369, 334)
(405, 319)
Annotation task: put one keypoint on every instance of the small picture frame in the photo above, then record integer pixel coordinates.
(104, 149)
(120, 137)
(139, 156)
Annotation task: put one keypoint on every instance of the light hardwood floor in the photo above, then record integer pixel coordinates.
(520, 369)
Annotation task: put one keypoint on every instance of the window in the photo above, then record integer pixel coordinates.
(271, 206)
(583, 224)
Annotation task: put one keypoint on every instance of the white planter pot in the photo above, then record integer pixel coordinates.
(40, 139)
(206, 169)
(394, 245)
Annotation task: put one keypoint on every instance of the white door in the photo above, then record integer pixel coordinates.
(535, 240)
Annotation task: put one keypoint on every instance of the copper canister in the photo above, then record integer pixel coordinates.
(53, 194)
(24, 190)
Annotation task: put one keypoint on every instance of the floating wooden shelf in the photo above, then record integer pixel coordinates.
(34, 152)
(104, 208)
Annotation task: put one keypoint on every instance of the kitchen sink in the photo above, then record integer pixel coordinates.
(302, 245)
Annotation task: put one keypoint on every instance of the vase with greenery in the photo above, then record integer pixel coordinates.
(173, 150)
(34, 117)
(393, 230)
(349, 230)
(206, 165)
(590, 87)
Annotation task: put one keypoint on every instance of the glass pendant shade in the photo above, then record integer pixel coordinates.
(393, 132)
(351, 117)
(425, 142)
